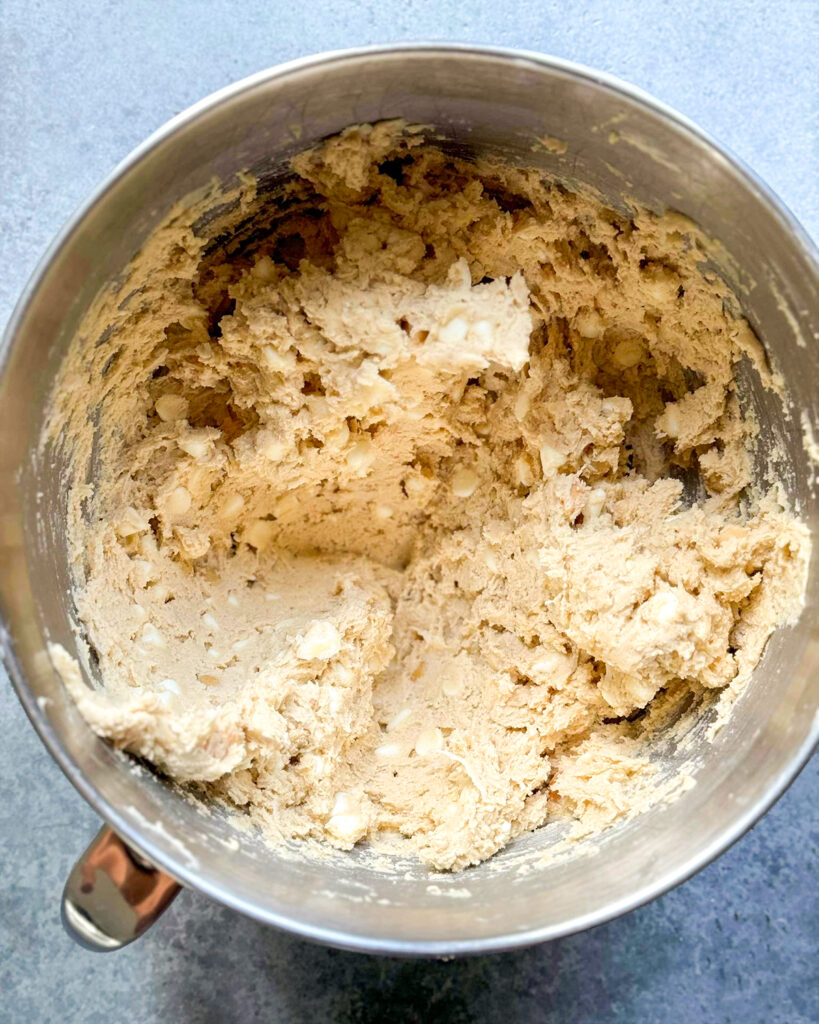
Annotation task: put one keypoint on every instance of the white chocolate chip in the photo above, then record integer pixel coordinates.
(160, 592)
(143, 572)
(321, 642)
(131, 523)
(464, 482)
(429, 742)
(197, 444)
(170, 685)
(614, 406)
(279, 362)
(553, 668)
(388, 751)
(178, 501)
(670, 421)
(346, 827)
(210, 620)
(521, 406)
(343, 803)
(344, 675)
(264, 269)
(171, 407)
(376, 391)
(316, 763)
(194, 543)
(233, 506)
(454, 332)
(595, 500)
(272, 448)
(347, 821)
(259, 533)
(661, 288)
(361, 456)
(336, 437)
(524, 473)
(550, 459)
(484, 332)
(628, 352)
(417, 486)
(399, 719)
(239, 645)
(383, 512)
(232, 600)
(150, 635)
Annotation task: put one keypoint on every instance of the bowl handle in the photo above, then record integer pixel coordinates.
(113, 895)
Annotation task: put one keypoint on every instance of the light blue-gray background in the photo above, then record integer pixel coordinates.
(83, 82)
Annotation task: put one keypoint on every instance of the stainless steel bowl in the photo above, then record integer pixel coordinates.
(619, 142)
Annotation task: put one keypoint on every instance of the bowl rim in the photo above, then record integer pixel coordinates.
(164, 856)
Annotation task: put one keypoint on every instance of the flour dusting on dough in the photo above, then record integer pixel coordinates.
(413, 486)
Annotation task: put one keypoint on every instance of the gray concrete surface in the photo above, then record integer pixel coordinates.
(82, 83)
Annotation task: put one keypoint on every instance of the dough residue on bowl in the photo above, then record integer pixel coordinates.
(400, 495)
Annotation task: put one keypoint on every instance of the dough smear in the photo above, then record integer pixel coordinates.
(399, 496)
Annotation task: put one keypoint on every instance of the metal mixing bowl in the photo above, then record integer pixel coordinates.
(619, 142)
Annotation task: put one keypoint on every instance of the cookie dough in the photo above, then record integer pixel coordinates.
(401, 492)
